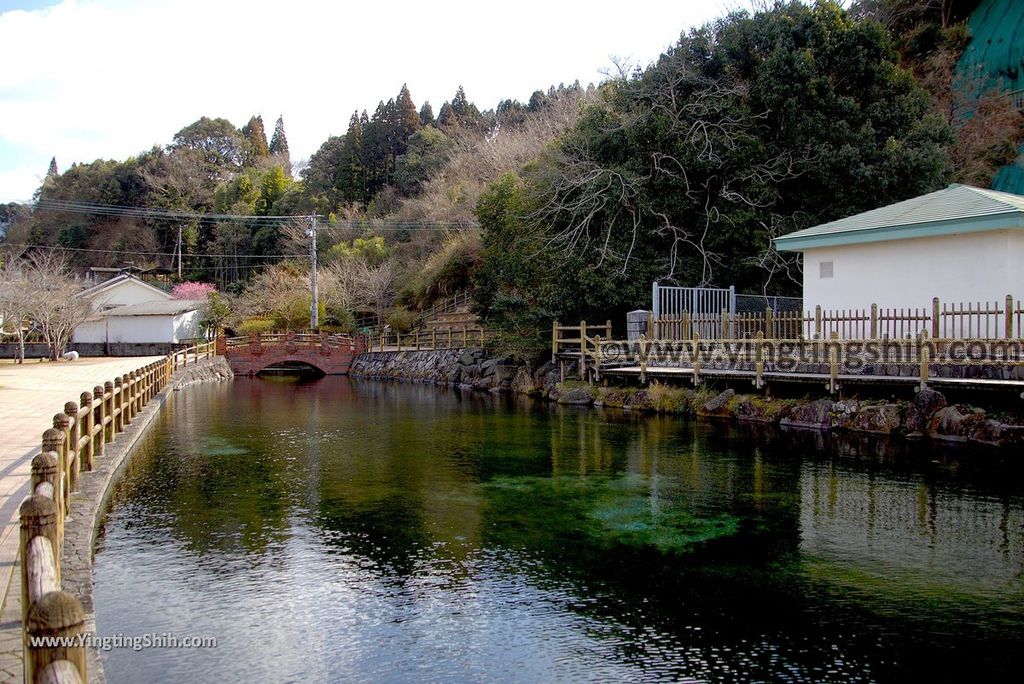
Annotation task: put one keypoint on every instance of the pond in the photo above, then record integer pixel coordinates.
(343, 530)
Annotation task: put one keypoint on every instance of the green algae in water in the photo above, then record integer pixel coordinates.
(220, 446)
(605, 511)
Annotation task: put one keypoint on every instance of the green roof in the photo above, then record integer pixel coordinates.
(956, 209)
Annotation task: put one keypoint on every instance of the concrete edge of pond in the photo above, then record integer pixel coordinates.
(90, 504)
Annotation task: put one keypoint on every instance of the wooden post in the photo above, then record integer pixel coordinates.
(608, 329)
(88, 423)
(417, 340)
(597, 356)
(554, 339)
(652, 334)
(874, 322)
(38, 518)
(923, 357)
(769, 323)
(74, 440)
(99, 420)
(725, 325)
(817, 321)
(482, 342)
(759, 359)
(45, 468)
(46, 474)
(63, 424)
(583, 349)
(696, 359)
(123, 403)
(53, 441)
(643, 359)
(433, 339)
(118, 411)
(449, 337)
(687, 332)
(465, 337)
(56, 614)
(833, 356)
(1009, 317)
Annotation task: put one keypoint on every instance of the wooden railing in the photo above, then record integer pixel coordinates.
(258, 341)
(577, 334)
(78, 437)
(419, 340)
(998, 319)
(917, 357)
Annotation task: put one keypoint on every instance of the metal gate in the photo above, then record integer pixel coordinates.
(703, 306)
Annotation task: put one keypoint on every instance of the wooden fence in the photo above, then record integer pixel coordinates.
(418, 340)
(999, 319)
(578, 334)
(78, 437)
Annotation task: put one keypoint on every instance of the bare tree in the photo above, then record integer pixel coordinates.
(55, 305)
(376, 289)
(16, 299)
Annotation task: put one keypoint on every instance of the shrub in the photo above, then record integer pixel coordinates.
(401, 320)
(251, 326)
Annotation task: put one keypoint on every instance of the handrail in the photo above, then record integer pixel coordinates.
(418, 340)
(78, 437)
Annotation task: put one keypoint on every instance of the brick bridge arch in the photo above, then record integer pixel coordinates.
(331, 354)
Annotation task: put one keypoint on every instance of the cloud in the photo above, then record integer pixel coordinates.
(110, 78)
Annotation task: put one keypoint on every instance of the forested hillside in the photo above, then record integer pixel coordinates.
(570, 204)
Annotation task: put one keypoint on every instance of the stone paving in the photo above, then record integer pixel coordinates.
(30, 395)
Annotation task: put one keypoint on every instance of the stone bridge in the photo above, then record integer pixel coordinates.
(329, 353)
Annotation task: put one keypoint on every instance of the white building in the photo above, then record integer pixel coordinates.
(123, 290)
(129, 311)
(960, 244)
(169, 321)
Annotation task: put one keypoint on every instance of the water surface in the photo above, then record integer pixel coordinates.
(338, 530)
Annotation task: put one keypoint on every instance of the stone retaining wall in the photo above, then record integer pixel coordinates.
(928, 415)
(466, 368)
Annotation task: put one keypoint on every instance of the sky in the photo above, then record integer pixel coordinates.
(88, 79)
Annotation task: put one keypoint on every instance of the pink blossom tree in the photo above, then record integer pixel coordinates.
(192, 290)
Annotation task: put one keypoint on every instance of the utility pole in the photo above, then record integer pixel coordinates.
(179, 252)
(314, 319)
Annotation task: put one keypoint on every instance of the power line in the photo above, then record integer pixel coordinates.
(153, 212)
(169, 214)
(166, 254)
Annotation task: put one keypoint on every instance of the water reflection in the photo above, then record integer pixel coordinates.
(338, 530)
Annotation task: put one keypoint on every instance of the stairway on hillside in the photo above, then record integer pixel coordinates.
(456, 319)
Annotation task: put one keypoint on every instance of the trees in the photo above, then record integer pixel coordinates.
(279, 147)
(218, 141)
(16, 299)
(406, 120)
(256, 141)
(753, 126)
(40, 289)
(426, 114)
(192, 290)
(52, 170)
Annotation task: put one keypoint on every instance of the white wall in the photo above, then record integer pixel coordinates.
(187, 327)
(140, 329)
(969, 267)
(91, 332)
(125, 293)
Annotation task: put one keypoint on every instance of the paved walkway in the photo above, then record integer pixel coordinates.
(30, 395)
